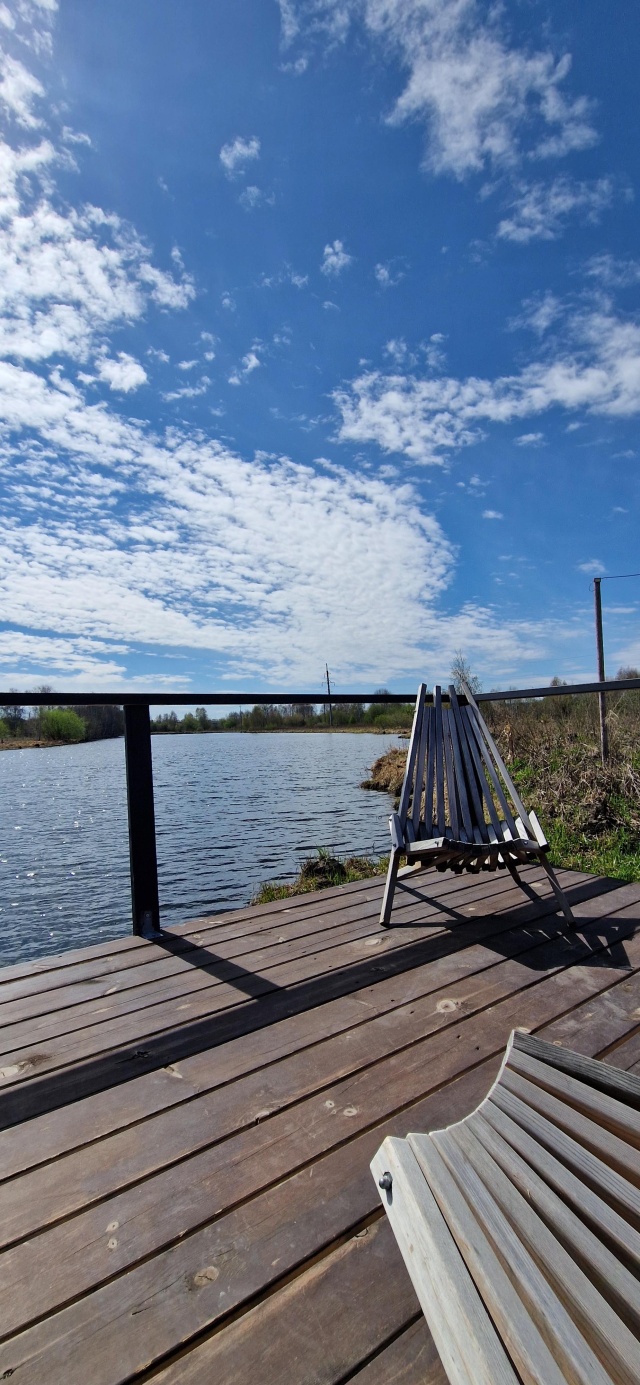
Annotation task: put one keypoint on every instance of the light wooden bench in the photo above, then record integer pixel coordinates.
(459, 808)
(520, 1225)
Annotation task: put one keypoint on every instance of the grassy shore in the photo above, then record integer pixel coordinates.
(590, 812)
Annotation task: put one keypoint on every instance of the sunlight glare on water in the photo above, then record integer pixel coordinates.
(232, 810)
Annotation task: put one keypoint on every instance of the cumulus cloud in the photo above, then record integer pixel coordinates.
(529, 440)
(592, 566)
(123, 374)
(492, 514)
(335, 258)
(387, 275)
(117, 533)
(597, 370)
(239, 152)
(67, 274)
(483, 99)
(540, 211)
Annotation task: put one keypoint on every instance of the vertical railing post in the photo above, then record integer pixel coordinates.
(602, 705)
(142, 822)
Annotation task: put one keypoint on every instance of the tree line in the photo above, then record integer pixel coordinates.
(295, 716)
(64, 724)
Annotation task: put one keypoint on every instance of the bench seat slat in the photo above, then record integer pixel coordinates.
(583, 1219)
(524, 1342)
(557, 1249)
(539, 1189)
(597, 1173)
(475, 1356)
(609, 1112)
(608, 1147)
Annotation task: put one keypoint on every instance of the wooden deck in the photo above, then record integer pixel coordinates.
(187, 1125)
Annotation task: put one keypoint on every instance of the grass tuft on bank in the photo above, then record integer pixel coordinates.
(321, 872)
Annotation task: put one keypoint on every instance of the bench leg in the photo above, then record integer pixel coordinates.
(560, 895)
(389, 889)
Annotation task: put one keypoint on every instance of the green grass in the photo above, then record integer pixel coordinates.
(321, 872)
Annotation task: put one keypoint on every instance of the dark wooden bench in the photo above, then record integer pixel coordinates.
(459, 808)
(520, 1225)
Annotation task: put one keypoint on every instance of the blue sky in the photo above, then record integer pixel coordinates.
(319, 343)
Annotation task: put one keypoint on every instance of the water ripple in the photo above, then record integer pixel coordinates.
(231, 810)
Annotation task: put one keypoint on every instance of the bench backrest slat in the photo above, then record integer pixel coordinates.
(456, 783)
(440, 811)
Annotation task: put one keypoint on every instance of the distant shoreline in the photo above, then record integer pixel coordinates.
(27, 744)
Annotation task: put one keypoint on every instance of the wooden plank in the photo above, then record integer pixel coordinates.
(514, 1234)
(430, 775)
(578, 1157)
(405, 792)
(419, 772)
(147, 1017)
(165, 1301)
(459, 772)
(499, 762)
(468, 1345)
(410, 1359)
(317, 1329)
(306, 922)
(46, 1136)
(154, 1212)
(29, 1095)
(476, 757)
(496, 782)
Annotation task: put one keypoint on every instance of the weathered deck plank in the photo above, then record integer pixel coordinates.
(184, 1190)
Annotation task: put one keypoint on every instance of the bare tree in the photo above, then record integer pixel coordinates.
(461, 673)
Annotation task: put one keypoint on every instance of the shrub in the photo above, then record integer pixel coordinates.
(61, 724)
(4, 730)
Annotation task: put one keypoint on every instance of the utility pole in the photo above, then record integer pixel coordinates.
(329, 696)
(604, 735)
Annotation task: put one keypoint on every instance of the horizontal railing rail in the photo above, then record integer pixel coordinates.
(139, 765)
(261, 699)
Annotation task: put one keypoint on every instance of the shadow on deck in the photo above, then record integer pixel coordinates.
(188, 1122)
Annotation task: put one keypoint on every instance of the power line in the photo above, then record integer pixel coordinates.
(615, 576)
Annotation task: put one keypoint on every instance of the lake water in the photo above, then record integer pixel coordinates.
(232, 810)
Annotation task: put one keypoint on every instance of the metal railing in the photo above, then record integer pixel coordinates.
(145, 901)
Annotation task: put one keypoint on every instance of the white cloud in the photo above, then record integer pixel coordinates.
(239, 152)
(538, 313)
(529, 440)
(592, 567)
(335, 259)
(124, 374)
(187, 365)
(540, 211)
(483, 99)
(286, 275)
(387, 276)
(597, 371)
(228, 302)
(19, 90)
(188, 391)
(66, 275)
(492, 514)
(250, 362)
(613, 272)
(250, 198)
